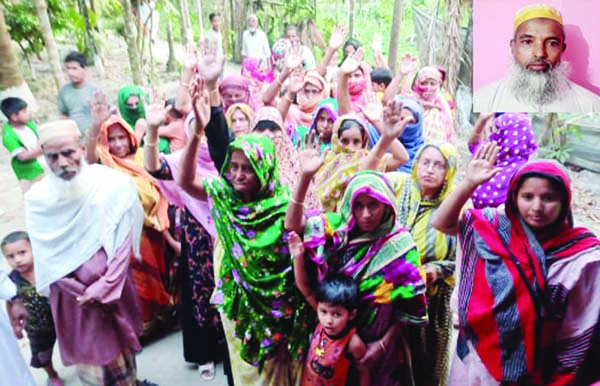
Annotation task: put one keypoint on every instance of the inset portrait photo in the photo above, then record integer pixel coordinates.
(530, 56)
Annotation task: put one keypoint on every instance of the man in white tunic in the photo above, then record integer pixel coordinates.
(254, 41)
(538, 79)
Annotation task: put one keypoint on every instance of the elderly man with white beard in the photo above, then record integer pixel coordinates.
(85, 222)
(538, 79)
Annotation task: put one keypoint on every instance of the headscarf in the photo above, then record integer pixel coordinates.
(131, 115)
(331, 106)
(416, 213)
(257, 282)
(302, 115)
(155, 205)
(357, 89)
(204, 169)
(438, 120)
(250, 67)
(503, 288)
(287, 155)
(412, 137)
(247, 110)
(339, 166)
(517, 143)
(237, 82)
(384, 262)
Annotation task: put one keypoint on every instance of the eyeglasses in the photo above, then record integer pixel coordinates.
(436, 165)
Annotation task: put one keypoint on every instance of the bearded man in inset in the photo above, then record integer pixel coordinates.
(538, 80)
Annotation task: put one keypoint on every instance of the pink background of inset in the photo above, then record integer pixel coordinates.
(493, 30)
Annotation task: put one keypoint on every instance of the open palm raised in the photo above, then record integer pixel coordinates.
(310, 159)
(482, 166)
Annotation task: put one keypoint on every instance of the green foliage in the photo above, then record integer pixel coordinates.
(559, 149)
(23, 24)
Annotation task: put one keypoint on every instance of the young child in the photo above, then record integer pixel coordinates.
(173, 129)
(335, 343)
(20, 138)
(40, 325)
(380, 79)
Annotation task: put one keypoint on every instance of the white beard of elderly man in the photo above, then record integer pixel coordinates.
(538, 80)
(85, 222)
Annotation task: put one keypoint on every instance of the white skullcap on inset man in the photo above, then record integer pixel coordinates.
(64, 128)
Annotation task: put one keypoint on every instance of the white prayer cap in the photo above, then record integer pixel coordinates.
(63, 128)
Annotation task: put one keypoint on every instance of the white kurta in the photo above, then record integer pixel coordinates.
(498, 96)
(13, 369)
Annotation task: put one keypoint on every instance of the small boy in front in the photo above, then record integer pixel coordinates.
(16, 248)
(335, 345)
(20, 138)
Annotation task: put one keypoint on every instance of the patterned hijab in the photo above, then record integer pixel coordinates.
(517, 142)
(340, 165)
(287, 155)
(416, 213)
(384, 262)
(257, 282)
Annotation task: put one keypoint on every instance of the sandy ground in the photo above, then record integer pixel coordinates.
(162, 361)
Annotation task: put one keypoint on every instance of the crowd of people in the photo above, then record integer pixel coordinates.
(302, 223)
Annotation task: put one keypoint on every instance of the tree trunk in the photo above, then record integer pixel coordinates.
(187, 36)
(395, 35)
(11, 79)
(200, 20)
(225, 25)
(239, 13)
(131, 40)
(171, 62)
(90, 50)
(51, 48)
(351, 6)
(452, 46)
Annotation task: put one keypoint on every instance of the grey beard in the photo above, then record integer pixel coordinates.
(76, 188)
(539, 88)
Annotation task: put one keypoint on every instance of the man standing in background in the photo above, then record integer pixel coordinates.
(213, 36)
(254, 41)
(74, 98)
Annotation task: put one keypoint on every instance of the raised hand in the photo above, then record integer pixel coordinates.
(156, 115)
(352, 62)
(295, 245)
(210, 66)
(392, 113)
(482, 165)
(201, 105)
(338, 37)
(310, 159)
(100, 110)
(293, 59)
(373, 109)
(408, 64)
(376, 43)
(296, 81)
(190, 61)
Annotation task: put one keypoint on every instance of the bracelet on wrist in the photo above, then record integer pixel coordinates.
(300, 203)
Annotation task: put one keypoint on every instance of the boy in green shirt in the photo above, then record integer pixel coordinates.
(20, 138)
